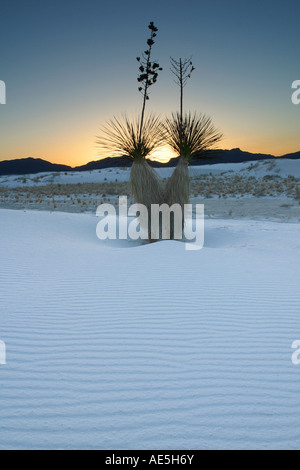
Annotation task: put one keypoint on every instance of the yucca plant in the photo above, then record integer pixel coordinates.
(123, 136)
(146, 186)
(139, 137)
(177, 190)
(188, 135)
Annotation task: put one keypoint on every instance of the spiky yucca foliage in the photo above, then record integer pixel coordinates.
(124, 137)
(188, 135)
(193, 134)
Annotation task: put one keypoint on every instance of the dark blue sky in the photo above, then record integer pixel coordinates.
(69, 66)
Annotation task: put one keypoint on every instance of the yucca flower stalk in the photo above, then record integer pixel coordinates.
(182, 70)
(148, 72)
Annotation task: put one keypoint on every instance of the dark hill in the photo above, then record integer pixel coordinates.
(106, 163)
(25, 166)
(293, 156)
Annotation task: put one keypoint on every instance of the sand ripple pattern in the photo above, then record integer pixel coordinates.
(149, 347)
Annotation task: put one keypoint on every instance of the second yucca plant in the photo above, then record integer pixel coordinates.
(187, 134)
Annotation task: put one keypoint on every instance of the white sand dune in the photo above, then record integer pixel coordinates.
(114, 345)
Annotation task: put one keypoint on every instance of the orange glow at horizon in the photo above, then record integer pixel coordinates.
(85, 150)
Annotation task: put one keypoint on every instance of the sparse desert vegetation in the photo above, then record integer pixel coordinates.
(223, 194)
(80, 197)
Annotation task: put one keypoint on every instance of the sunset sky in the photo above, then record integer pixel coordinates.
(69, 66)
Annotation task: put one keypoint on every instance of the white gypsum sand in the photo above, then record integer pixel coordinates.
(117, 345)
(264, 189)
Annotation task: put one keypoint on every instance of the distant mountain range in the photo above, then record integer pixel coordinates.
(25, 166)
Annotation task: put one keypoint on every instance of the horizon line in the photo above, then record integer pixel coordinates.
(150, 158)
